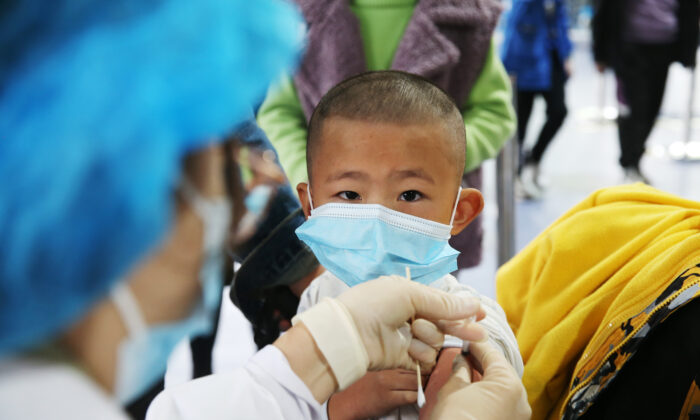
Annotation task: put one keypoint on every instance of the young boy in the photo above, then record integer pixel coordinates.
(385, 157)
(447, 42)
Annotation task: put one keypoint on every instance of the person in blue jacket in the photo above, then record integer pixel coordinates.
(536, 52)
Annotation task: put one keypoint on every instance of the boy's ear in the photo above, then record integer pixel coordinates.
(470, 204)
(302, 189)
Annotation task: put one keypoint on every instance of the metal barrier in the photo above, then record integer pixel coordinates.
(506, 164)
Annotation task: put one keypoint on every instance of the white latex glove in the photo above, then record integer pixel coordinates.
(500, 395)
(367, 327)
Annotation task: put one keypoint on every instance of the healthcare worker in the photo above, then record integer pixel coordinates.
(335, 342)
(99, 103)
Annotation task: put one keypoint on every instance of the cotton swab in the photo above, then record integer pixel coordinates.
(421, 395)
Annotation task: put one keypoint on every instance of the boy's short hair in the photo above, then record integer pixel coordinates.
(390, 97)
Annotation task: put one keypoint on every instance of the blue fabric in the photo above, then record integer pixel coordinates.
(357, 248)
(99, 102)
(530, 38)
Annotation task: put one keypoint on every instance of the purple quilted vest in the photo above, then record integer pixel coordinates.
(446, 41)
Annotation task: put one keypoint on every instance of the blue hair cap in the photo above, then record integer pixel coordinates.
(99, 102)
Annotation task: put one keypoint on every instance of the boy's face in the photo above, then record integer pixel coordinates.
(406, 168)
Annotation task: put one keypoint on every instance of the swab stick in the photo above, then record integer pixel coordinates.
(421, 395)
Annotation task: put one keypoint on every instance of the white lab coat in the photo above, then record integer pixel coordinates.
(233, 346)
(37, 388)
(265, 388)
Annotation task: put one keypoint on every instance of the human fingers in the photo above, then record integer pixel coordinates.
(376, 322)
(435, 305)
(438, 393)
(440, 375)
(464, 329)
(428, 333)
(375, 391)
(499, 375)
(491, 362)
(399, 398)
(422, 352)
(402, 380)
(476, 366)
(409, 300)
(459, 378)
(500, 397)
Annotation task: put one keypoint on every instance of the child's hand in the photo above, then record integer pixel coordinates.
(375, 394)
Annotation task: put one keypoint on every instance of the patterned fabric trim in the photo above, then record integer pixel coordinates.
(691, 407)
(623, 342)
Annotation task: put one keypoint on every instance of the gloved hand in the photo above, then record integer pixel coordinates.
(499, 395)
(367, 326)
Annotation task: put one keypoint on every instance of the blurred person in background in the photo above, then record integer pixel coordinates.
(639, 39)
(536, 51)
(266, 289)
(447, 42)
(125, 341)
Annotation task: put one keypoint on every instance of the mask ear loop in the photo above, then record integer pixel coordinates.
(129, 310)
(308, 194)
(194, 198)
(208, 210)
(454, 210)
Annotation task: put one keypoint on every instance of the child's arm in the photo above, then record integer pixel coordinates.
(500, 334)
(374, 395)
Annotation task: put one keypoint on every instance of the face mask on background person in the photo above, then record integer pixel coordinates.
(360, 242)
(258, 198)
(143, 355)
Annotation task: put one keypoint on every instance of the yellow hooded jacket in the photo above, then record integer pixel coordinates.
(594, 282)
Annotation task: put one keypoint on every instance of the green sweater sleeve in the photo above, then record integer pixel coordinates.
(283, 120)
(489, 116)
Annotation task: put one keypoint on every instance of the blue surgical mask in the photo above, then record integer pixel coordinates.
(360, 242)
(143, 355)
(258, 198)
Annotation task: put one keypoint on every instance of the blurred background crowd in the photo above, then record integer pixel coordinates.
(585, 152)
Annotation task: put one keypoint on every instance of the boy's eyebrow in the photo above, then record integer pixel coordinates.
(346, 175)
(412, 173)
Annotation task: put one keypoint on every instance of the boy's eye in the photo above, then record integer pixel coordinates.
(411, 195)
(349, 195)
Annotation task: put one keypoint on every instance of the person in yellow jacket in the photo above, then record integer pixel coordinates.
(604, 304)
